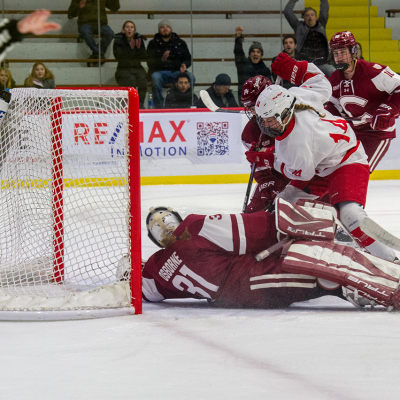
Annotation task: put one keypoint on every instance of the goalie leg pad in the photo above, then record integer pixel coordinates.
(292, 194)
(351, 214)
(304, 222)
(372, 277)
(318, 204)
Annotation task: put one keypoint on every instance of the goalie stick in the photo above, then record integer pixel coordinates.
(372, 229)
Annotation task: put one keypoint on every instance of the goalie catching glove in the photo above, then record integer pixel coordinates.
(289, 69)
(384, 117)
(261, 158)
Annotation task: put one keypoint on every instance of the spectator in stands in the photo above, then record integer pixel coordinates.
(312, 43)
(167, 56)
(6, 80)
(40, 77)
(129, 51)
(220, 93)
(250, 66)
(289, 47)
(180, 95)
(359, 51)
(87, 13)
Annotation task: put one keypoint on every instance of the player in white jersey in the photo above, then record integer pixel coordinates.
(312, 145)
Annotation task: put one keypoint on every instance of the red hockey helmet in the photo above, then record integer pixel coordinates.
(343, 39)
(252, 88)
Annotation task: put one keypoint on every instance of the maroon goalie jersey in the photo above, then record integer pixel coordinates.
(371, 85)
(217, 263)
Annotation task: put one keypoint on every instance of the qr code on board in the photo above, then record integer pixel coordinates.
(212, 138)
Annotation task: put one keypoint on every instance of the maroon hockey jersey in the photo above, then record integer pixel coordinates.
(217, 263)
(251, 134)
(371, 85)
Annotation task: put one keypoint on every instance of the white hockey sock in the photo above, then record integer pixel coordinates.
(351, 214)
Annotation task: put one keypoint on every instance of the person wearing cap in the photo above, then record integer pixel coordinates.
(220, 93)
(250, 66)
(312, 43)
(167, 56)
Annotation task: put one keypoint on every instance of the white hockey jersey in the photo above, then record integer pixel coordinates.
(313, 145)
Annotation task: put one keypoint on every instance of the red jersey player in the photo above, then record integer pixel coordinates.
(366, 91)
(269, 181)
(212, 257)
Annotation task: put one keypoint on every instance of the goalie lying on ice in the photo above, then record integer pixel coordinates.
(213, 257)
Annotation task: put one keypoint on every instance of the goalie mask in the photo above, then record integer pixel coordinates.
(161, 223)
(338, 44)
(251, 90)
(274, 108)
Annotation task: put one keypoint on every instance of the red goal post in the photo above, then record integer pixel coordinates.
(77, 152)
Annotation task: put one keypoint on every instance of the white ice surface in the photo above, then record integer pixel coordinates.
(324, 349)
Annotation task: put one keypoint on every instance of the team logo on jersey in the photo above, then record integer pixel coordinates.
(346, 88)
(297, 172)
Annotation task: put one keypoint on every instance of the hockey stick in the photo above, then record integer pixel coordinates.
(265, 253)
(253, 167)
(363, 120)
(213, 107)
(372, 229)
(246, 197)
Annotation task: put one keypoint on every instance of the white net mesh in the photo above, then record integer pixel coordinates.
(64, 199)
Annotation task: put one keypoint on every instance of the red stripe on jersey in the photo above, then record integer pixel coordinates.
(235, 234)
(350, 152)
(307, 76)
(361, 237)
(287, 131)
(282, 170)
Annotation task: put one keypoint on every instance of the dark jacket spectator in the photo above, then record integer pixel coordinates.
(129, 51)
(87, 13)
(167, 56)
(220, 93)
(312, 43)
(180, 95)
(250, 66)
(179, 54)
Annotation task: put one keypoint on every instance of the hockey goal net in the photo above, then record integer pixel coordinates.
(70, 204)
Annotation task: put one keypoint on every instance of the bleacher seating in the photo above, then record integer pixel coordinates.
(212, 46)
(213, 28)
